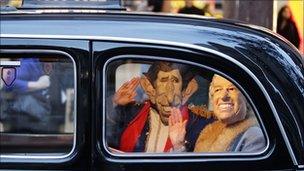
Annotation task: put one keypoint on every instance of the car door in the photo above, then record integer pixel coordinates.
(115, 63)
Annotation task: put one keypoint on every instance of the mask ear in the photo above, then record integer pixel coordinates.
(189, 91)
(148, 88)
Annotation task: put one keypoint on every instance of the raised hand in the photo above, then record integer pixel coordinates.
(126, 93)
(177, 129)
(42, 83)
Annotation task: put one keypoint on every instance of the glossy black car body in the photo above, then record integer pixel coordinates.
(268, 68)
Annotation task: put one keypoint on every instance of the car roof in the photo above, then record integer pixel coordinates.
(191, 29)
(115, 23)
(221, 35)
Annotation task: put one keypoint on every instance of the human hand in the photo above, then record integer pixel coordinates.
(44, 82)
(126, 93)
(177, 129)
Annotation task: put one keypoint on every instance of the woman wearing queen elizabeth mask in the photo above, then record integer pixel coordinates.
(235, 128)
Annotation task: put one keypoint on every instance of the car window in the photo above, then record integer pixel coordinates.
(37, 108)
(159, 106)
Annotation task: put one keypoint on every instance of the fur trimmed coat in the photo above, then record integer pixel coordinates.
(243, 136)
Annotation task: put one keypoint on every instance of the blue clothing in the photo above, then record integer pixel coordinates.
(26, 111)
(252, 140)
(242, 136)
(29, 70)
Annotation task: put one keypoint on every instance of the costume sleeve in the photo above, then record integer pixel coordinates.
(252, 140)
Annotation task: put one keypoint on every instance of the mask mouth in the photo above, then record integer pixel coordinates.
(226, 106)
(167, 108)
(166, 111)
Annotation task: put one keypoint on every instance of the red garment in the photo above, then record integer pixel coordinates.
(131, 134)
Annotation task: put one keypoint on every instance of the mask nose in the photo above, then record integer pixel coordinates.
(225, 96)
(170, 92)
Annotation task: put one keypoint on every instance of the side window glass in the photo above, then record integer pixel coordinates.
(171, 107)
(37, 101)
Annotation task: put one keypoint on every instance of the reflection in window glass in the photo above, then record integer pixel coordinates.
(37, 104)
(161, 107)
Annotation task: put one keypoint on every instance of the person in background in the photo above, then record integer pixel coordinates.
(157, 5)
(29, 77)
(26, 106)
(208, 10)
(191, 9)
(287, 27)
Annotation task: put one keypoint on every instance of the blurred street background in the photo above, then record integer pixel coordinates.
(266, 13)
(281, 16)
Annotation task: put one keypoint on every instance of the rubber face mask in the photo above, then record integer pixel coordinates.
(228, 102)
(168, 87)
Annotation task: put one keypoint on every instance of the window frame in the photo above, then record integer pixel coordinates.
(169, 157)
(46, 157)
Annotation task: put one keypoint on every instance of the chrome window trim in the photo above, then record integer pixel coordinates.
(168, 43)
(36, 156)
(187, 154)
(9, 63)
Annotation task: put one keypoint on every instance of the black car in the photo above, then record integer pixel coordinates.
(81, 88)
